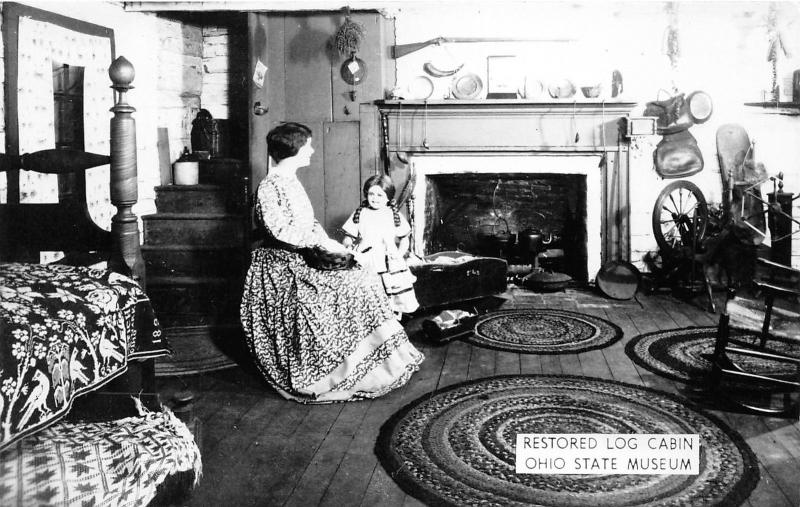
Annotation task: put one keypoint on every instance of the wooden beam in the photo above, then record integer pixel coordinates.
(260, 6)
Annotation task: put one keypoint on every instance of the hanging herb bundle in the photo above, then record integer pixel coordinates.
(349, 36)
(775, 48)
(671, 44)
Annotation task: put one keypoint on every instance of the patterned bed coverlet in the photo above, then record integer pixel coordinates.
(66, 331)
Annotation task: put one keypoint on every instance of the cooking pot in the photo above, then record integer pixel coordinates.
(505, 238)
(531, 241)
(490, 239)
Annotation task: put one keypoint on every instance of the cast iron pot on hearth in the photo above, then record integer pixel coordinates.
(495, 242)
(532, 241)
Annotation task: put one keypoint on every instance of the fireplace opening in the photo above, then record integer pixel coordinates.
(537, 219)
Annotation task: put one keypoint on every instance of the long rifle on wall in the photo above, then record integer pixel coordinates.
(405, 49)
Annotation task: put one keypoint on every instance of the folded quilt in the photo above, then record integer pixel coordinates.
(114, 463)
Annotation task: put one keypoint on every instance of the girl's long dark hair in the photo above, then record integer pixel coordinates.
(385, 182)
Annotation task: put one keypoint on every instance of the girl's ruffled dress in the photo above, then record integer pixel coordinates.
(375, 235)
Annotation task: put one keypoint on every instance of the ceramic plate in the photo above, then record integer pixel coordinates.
(562, 89)
(532, 88)
(468, 86)
(420, 88)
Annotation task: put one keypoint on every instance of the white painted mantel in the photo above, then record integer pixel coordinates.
(557, 136)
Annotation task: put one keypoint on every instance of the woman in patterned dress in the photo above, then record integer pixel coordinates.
(317, 336)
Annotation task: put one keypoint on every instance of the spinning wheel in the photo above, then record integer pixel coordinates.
(680, 216)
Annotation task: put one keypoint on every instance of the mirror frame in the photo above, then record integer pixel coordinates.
(12, 11)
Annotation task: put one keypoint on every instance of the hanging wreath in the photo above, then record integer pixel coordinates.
(349, 36)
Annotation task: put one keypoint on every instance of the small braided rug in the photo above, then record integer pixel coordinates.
(543, 331)
(680, 354)
(456, 446)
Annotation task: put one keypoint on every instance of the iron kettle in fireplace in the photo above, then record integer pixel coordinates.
(532, 241)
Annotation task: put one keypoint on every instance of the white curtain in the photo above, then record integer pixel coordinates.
(40, 44)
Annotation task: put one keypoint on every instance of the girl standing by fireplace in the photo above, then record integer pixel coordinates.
(380, 234)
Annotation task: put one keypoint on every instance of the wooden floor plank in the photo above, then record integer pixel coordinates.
(256, 467)
(570, 364)
(507, 363)
(551, 364)
(621, 367)
(481, 363)
(236, 446)
(456, 364)
(381, 490)
(300, 449)
(263, 450)
(593, 364)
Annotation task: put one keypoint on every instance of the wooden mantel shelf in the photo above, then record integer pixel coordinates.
(498, 125)
(581, 106)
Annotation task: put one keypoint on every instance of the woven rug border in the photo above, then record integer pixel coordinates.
(618, 332)
(394, 468)
(631, 345)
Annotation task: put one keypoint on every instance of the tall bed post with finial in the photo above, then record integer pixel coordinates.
(126, 253)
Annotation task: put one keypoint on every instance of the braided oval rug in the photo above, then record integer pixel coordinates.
(456, 446)
(543, 331)
(681, 354)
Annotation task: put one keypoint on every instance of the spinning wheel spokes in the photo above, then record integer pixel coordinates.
(680, 216)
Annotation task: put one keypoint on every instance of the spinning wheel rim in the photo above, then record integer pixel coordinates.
(673, 216)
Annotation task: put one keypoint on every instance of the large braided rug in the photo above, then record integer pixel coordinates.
(456, 446)
(681, 354)
(543, 331)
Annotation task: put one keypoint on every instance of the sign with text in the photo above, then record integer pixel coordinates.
(606, 454)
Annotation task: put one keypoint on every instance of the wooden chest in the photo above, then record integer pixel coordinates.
(442, 283)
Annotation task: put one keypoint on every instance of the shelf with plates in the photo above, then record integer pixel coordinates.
(525, 103)
(449, 125)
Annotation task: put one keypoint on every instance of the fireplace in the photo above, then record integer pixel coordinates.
(477, 169)
(468, 202)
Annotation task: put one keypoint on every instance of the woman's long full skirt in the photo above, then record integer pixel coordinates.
(321, 336)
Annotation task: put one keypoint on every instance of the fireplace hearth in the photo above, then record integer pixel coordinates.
(514, 216)
(511, 206)
(491, 176)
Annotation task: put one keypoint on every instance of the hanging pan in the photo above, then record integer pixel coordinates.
(618, 279)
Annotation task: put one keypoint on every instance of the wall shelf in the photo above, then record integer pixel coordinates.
(785, 108)
(795, 105)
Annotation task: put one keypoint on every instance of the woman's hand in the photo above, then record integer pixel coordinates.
(333, 246)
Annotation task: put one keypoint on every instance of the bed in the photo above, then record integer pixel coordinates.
(69, 330)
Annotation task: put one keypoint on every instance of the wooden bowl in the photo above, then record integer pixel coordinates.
(591, 92)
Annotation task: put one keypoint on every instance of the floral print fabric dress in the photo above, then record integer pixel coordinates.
(317, 336)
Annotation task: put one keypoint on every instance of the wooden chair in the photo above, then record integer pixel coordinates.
(772, 313)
